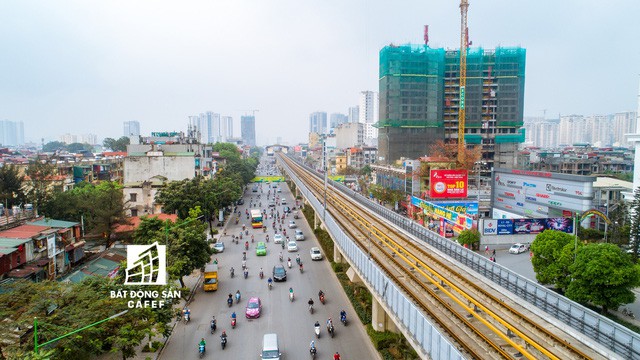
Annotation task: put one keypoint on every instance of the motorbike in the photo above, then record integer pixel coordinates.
(280, 257)
(237, 221)
(201, 350)
(311, 309)
(246, 274)
(343, 319)
(321, 299)
(261, 275)
(223, 341)
(187, 317)
(330, 330)
(298, 261)
(246, 246)
(289, 264)
(229, 302)
(233, 323)
(291, 296)
(301, 269)
(270, 285)
(264, 230)
(232, 272)
(213, 326)
(246, 232)
(317, 330)
(313, 351)
(237, 298)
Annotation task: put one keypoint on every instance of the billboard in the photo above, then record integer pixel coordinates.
(461, 207)
(448, 184)
(526, 226)
(456, 221)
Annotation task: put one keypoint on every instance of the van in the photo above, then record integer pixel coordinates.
(270, 349)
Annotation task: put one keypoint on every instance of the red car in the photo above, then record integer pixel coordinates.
(253, 308)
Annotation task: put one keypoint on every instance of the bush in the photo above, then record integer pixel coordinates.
(391, 345)
(471, 238)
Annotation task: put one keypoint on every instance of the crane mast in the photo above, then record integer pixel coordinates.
(464, 43)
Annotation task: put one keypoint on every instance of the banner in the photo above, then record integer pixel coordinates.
(526, 226)
(448, 184)
(462, 221)
(461, 207)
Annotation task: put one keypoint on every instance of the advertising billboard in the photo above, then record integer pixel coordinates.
(461, 207)
(526, 226)
(457, 222)
(448, 184)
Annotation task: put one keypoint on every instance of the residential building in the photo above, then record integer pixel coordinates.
(91, 139)
(354, 114)
(420, 97)
(318, 122)
(131, 128)
(163, 157)
(349, 134)
(368, 114)
(359, 157)
(541, 133)
(571, 130)
(341, 163)
(69, 138)
(336, 119)
(623, 123)
(248, 130)
(11, 133)
(226, 128)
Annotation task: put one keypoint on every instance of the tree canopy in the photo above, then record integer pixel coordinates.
(469, 237)
(552, 256)
(116, 145)
(11, 192)
(603, 275)
(39, 189)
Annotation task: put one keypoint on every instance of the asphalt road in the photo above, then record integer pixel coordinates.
(291, 321)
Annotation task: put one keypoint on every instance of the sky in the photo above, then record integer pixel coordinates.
(87, 66)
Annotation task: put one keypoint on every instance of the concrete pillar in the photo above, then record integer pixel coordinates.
(379, 318)
(351, 274)
(337, 255)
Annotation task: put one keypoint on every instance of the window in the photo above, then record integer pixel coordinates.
(133, 197)
(134, 212)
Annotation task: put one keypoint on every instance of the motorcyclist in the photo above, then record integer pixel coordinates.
(336, 356)
(312, 347)
(269, 282)
(213, 323)
(320, 295)
(232, 271)
(281, 256)
(261, 273)
(310, 302)
(246, 245)
(238, 296)
(329, 323)
(233, 316)
(203, 344)
(301, 267)
(223, 336)
(244, 264)
(298, 259)
(187, 313)
(290, 292)
(267, 237)
(288, 262)
(343, 315)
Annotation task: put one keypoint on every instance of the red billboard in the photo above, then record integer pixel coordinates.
(448, 184)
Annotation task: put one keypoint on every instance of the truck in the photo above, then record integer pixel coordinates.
(210, 278)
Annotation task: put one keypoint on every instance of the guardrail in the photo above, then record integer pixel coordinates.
(600, 329)
(415, 323)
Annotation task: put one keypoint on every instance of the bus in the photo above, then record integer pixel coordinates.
(256, 218)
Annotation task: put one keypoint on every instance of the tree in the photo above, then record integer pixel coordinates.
(552, 257)
(634, 231)
(40, 177)
(470, 237)
(11, 186)
(187, 247)
(603, 275)
(79, 147)
(54, 146)
(450, 151)
(618, 230)
(116, 145)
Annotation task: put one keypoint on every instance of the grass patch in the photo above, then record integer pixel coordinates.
(391, 346)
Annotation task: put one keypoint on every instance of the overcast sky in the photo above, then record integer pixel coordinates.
(87, 66)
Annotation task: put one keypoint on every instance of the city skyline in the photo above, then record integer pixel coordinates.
(125, 64)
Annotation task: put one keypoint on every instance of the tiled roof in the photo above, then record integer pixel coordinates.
(134, 222)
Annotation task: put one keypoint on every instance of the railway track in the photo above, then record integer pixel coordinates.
(474, 316)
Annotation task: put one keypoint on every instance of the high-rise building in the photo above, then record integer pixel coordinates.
(91, 139)
(227, 128)
(623, 123)
(571, 130)
(420, 97)
(131, 128)
(248, 130)
(318, 122)
(368, 114)
(11, 133)
(336, 119)
(69, 138)
(354, 114)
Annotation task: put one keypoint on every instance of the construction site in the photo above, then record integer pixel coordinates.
(423, 96)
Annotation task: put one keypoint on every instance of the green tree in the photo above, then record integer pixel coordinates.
(603, 275)
(366, 170)
(116, 145)
(470, 237)
(11, 186)
(618, 231)
(634, 230)
(552, 257)
(54, 146)
(79, 147)
(40, 176)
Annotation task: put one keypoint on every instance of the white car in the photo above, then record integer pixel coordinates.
(279, 190)
(218, 247)
(299, 235)
(278, 239)
(292, 246)
(292, 224)
(315, 253)
(283, 201)
(518, 248)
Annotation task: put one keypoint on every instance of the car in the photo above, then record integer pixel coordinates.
(315, 253)
(279, 190)
(283, 201)
(518, 248)
(275, 185)
(286, 209)
(292, 246)
(272, 204)
(292, 224)
(261, 249)
(279, 273)
(299, 235)
(240, 202)
(278, 239)
(254, 307)
(218, 247)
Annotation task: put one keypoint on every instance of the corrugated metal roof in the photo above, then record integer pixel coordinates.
(54, 223)
(7, 251)
(12, 243)
(23, 231)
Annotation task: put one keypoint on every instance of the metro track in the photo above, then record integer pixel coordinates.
(477, 319)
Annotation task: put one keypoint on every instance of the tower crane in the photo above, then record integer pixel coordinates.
(464, 44)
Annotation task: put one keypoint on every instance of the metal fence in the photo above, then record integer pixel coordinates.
(403, 309)
(602, 330)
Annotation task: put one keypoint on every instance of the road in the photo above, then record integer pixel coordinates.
(290, 320)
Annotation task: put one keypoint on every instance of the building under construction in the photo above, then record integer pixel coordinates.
(420, 97)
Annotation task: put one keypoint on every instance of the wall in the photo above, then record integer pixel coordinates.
(174, 168)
